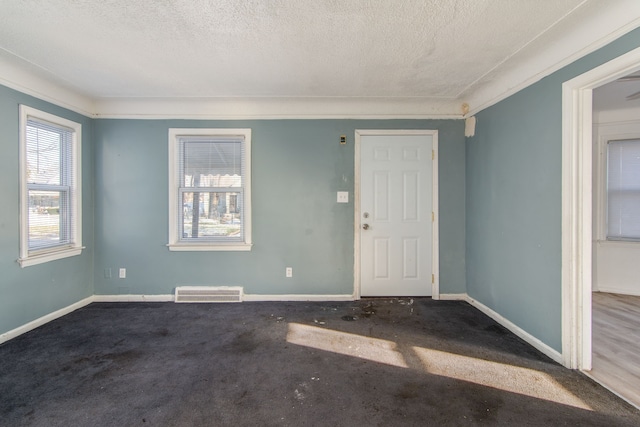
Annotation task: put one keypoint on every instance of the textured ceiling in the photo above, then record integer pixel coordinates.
(434, 50)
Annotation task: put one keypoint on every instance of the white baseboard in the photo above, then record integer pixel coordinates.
(44, 319)
(293, 297)
(620, 291)
(245, 297)
(526, 336)
(133, 298)
(454, 297)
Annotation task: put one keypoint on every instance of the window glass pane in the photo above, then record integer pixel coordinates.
(623, 189)
(43, 154)
(207, 163)
(47, 218)
(211, 215)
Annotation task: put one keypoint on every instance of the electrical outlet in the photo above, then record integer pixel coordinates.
(122, 273)
(343, 197)
(288, 272)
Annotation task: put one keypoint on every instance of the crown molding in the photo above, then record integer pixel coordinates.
(593, 27)
(18, 74)
(278, 108)
(28, 79)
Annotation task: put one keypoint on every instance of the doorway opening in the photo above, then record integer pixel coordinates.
(577, 206)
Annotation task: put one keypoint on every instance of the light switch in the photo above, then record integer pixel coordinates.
(343, 197)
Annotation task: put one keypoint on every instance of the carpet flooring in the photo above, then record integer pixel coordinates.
(373, 362)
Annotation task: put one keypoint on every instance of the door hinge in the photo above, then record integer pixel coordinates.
(433, 278)
(433, 154)
(433, 216)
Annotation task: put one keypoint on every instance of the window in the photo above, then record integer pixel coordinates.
(209, 189)
(50, 222)
(623, 189)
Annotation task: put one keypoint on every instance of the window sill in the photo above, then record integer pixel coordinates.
(189, 247)
(41, 258)
(619, 243)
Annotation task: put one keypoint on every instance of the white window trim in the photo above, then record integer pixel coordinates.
(29, 258)
(174, 243)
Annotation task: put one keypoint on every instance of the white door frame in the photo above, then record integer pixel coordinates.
(435, 286)
(577, 221)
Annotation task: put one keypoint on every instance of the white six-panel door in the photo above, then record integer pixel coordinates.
(396, 214)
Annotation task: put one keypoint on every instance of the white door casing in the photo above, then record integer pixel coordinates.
(577, 189)
(396, 204)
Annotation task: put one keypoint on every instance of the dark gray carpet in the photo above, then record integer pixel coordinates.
(379, 362)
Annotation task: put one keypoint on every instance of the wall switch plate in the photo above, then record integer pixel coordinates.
(122, 273)
(343, 197)
(288, 272)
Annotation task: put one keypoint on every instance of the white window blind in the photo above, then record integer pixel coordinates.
(623, 190)
(50, 184)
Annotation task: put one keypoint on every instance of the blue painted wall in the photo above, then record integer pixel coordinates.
(29, 293)
(513, 220)
(297, 168)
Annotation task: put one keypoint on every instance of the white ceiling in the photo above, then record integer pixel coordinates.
(295, 57)
(613, 96)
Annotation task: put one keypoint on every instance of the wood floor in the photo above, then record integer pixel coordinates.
(616, 343)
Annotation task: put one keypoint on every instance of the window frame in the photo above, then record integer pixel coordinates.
(175, 243)
(72, 247)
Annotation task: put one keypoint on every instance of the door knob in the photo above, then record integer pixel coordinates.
(365, 226)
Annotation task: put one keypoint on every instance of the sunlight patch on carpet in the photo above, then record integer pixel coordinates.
(514, 379)
(373, 349)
